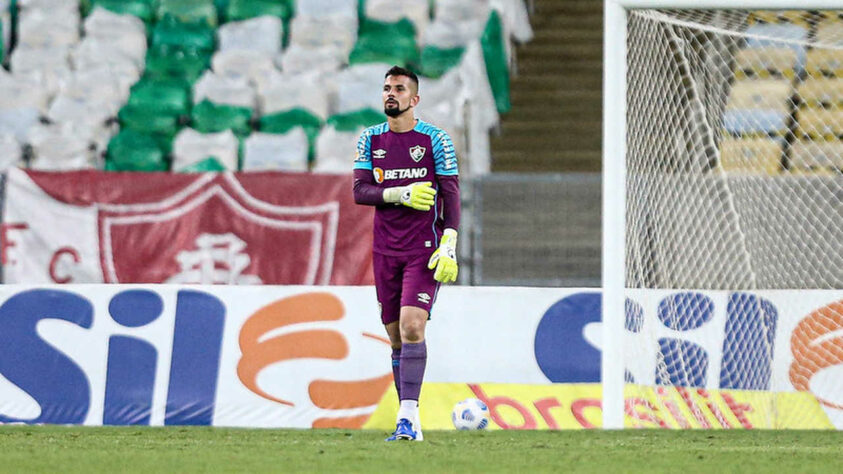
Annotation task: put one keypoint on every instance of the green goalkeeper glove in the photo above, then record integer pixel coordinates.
(419, 196)
(444, 259)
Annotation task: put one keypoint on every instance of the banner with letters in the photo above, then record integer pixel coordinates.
(232, 228)
(315, 356)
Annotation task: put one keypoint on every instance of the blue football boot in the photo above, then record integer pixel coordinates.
(403, 430)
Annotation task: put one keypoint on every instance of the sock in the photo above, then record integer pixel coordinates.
(409, 409)
(411, 369)
(396, 371)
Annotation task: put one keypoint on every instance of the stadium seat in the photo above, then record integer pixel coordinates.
(191, 147)
(390, 11)
(39, 28)
(162, 127)
(18, 121)
(188, 11)
(48, 67)
(224, 90)
(309, 32)
(108, 24)
(238, 10)
(356, 120)
(142, 9)
(253, 66)
(434, 61)
(210, 117)
(332, 149)
(130, 150)
(825, 62)
(303, 91)
(170, 97)
(819, 124)
(59, 148)
(263, 34)
(297, 59)
(359, 87)
(11, 154)
(752, 155)
(816, 155)
(209, 164)
(821, 92)
(283, 152)
(796, 17)
(390, 43)
(761, 94)
(167, 63)
(321, 8)
(766, 62)
(174, 34)
(123, 57)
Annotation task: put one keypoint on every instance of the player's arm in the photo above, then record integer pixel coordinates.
(444, 259)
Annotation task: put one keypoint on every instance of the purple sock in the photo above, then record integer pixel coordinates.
(413, 360)
(396, 372)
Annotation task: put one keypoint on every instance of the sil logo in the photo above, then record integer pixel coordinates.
(379, 175)
(264, 342)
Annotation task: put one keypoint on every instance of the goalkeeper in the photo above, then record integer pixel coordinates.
(407, 169)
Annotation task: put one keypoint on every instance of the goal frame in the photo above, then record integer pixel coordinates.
(614, 174)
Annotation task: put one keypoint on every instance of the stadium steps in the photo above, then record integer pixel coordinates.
(555, 124)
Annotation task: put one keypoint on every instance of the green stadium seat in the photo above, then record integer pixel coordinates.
(351, 121)
(238, 10)
(130, 150)
(163, 62)
(142, 9)
(494, 53)
(389, 43)
(283, 122)
(175, 34)
(189, 11)
(208, 117)
(435, 62)
(207, 165)
(170, 97)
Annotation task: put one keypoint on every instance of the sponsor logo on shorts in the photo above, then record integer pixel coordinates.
(417, 153)
(424, 298)
(379, 154)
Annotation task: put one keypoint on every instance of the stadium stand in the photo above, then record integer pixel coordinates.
(124, 77)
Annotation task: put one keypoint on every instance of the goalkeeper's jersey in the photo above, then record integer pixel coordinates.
(399, 159)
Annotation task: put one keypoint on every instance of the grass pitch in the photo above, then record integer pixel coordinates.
(189, 449)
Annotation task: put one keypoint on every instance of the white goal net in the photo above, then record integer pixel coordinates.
(734, 219)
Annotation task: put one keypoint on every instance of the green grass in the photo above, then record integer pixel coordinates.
(188, 449)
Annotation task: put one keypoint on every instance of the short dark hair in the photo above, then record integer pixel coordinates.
(400, 71)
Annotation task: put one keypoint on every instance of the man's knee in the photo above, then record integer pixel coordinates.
(413, 321)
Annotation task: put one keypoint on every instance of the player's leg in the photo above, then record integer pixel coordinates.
(394, 333)
(419, 292)
(388, 281)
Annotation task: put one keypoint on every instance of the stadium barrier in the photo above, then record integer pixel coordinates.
(299, 356)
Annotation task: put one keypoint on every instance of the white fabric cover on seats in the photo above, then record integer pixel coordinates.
(298, 59)
(321, 8)
(417, 11)
(303, 90)
(268, 151)
(60, 147)
(44, 28)
(10, 152)
(257, 34)
(224, 90)
(310, 32)
(332, 150)
(191, 147)
(237, 63)
(360, 86)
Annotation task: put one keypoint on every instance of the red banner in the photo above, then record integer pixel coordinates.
(246, 228)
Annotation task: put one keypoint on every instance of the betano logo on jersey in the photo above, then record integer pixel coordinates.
(382, 175)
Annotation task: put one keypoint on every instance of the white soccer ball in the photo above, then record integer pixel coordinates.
(470, 414)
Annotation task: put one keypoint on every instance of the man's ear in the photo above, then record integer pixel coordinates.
(415, 100)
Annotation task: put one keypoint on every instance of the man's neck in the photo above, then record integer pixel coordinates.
(403, 123)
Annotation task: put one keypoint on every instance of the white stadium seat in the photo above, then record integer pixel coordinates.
(303, 91)
(60, 147)
(267, 151)
(262, 34)
(250, 65)
(332, 150)
(224, 90)
(191, 147)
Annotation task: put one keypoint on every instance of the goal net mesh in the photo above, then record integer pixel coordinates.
(734, 187)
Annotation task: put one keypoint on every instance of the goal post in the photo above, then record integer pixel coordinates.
(721, 148)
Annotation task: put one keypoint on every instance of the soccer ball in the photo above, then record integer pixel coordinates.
(470, 414)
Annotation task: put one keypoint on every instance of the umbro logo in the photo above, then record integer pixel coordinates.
(379, 154)
(424, 298)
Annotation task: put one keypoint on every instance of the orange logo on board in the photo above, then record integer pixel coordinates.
(817, 343)
(259, 353)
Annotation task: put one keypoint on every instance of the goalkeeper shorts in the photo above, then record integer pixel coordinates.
(403, 280)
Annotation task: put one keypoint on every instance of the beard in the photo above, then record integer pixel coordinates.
(395, 111)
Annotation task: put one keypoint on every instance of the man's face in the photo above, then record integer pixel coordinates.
(399, 95)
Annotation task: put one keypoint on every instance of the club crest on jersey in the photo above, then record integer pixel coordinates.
(417, 153)
(379, 154)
